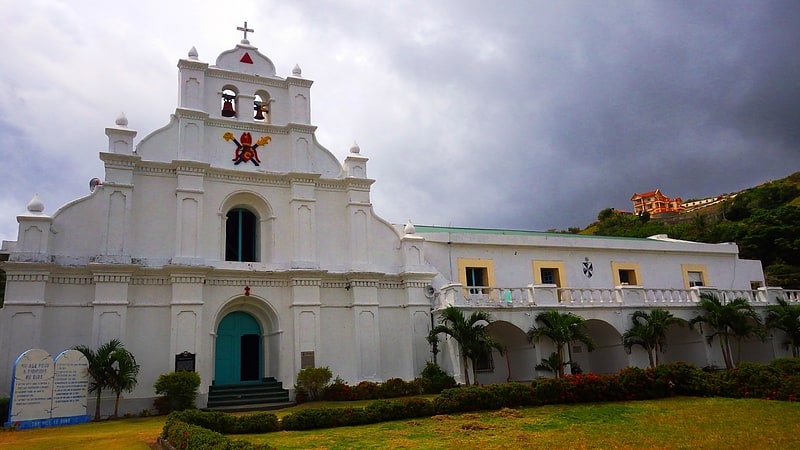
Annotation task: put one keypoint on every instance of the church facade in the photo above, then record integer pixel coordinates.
(232, 235)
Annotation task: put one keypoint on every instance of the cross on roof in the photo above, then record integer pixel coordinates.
(245, 30)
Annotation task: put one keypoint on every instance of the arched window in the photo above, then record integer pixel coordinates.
(241, 236)
(261, 103)
(229, 102)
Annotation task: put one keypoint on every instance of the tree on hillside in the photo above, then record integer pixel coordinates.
(471, 335)
(786, 317)
(562, 329)
(649, 330)
(732, 320)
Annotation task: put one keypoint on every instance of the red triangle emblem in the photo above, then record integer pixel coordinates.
(246, 59)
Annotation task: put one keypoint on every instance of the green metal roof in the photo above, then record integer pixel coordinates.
(438, 229)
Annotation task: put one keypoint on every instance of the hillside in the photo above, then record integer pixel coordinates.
(764, 221)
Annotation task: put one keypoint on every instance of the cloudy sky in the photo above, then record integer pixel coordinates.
(506, 114)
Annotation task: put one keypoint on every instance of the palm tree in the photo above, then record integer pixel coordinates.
(101, 368)
(561, 328)
(786, 317)
(550, 364)
(735, 319)
(124, 371)
(470, 333)
(650, 332)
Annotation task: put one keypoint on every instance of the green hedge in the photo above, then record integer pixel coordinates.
(183, 436)
(375, 412)
(777, 381)
(221, 422)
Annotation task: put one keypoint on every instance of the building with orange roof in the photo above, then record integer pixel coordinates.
(654, 202)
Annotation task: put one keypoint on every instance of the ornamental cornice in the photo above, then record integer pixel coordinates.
(155, 168)
(111, 278)
(28, 277)
(314, 282)
(228, 175)
(188, 113)
(192, 64)
(119, 161)
(190, 167)
(358, 183)
(238, 282)
(72, 279)
(247, 78)
(302, 127)
(302, 82)
(255, 127)
(149, 281)
(187, 279)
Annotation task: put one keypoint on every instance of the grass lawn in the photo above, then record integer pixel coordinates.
(665, 423)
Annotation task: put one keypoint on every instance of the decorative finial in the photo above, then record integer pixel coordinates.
(409, 228)
(193, 53)
(355, 148)
(35, 206)
(122, 121)
(296, 71)
(245, 30)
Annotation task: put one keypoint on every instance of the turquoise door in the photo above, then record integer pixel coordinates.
(238, 350)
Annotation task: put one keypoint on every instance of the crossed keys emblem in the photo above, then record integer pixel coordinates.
(245, 150)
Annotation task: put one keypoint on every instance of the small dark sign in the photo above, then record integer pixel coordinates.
(184, 362)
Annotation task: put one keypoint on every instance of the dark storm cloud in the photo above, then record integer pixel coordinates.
(693, 98)
(511, 114)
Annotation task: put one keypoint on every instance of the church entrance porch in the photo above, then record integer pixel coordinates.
(238, 351)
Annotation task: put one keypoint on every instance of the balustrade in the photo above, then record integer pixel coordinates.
(552, 295)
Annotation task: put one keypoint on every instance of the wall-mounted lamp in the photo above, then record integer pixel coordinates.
(247, 291)
(347, 287)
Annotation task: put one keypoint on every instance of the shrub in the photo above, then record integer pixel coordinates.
(751, 380)
(182, 435)
(637, 384)
(386, 410)
(312, 418)
(338, 391)
(513, 394)
(680, 378)
(397, 387)
(179, 388)
(786, 366)
(367, 390)
(547, 391)
(471, 398)
(221, 422)
(312, 380)
(438, 378)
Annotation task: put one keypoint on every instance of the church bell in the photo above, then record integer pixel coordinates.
(260, 110)
(227, 106)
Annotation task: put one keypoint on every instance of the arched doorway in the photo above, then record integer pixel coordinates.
(238, 352)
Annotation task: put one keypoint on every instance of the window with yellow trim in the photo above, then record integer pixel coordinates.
(549, 272)
(626, 273)
(476, 274)
(694, 275)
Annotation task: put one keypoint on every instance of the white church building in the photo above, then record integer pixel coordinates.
(232, 235)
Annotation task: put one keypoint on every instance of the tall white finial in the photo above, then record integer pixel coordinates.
(121, 121)
(35, 206)
(409, 228)
(193, 53)
(355, 148)
(296, 71)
